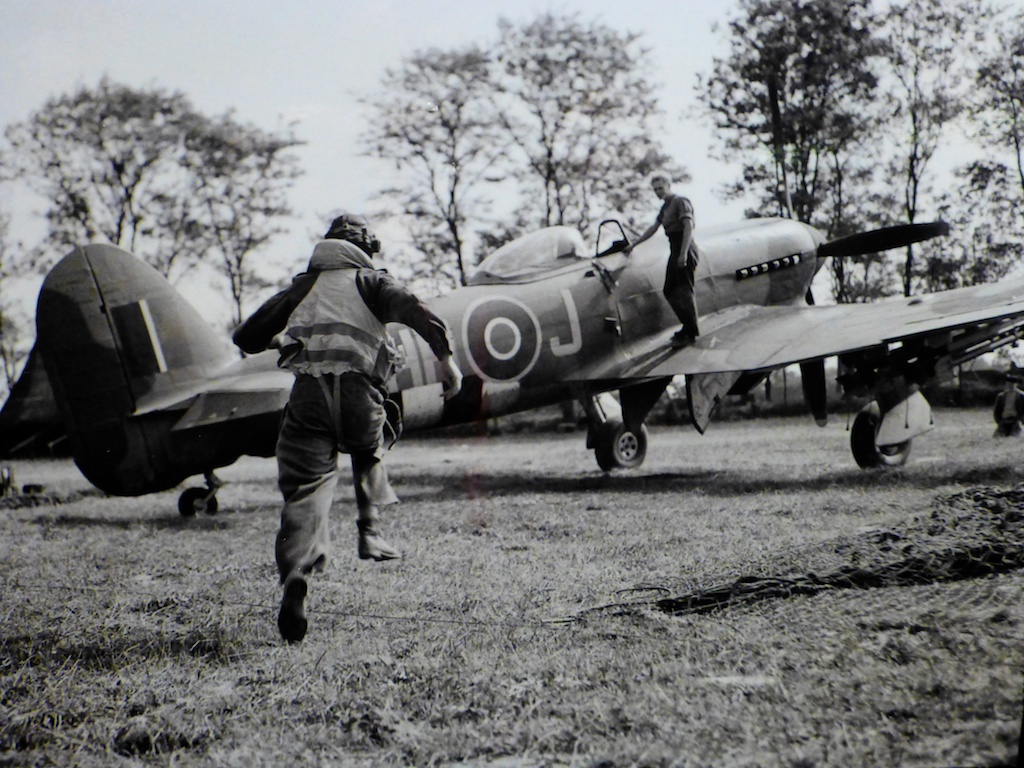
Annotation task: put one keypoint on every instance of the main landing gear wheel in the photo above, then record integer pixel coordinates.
(866, 452)
(195, 500)
(620, 448)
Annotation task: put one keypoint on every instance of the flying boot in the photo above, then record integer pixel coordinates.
(682, 338)
(372, 545)
(292, 618)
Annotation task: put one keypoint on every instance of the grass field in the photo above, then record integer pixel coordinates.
(536, 618)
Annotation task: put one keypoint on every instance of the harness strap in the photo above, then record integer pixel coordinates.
(392, 427)
(333, 398)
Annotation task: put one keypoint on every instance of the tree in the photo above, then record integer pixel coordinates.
(105, 159)
(870, 276)
(241, 177)
(143, 170)
(986, 240)
(792, 99)
(11, 353)
(433, 120)
(576, 100)
(998, 107)
(14, 310)
(558, 112)
(926, 43)
(984, 205)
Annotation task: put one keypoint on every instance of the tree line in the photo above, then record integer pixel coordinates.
(834, 109)
(844, 106)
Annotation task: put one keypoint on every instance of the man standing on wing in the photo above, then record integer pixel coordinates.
(676, 216)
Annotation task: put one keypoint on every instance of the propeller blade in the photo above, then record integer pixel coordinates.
(881, 239)
(812, 379)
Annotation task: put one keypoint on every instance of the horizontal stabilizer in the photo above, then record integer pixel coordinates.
(219, 407)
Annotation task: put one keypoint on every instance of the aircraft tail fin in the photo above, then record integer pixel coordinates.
(113, 332)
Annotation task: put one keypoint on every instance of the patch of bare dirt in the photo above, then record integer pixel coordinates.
(971, 534)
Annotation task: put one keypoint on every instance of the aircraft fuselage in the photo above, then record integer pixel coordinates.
(524, 344)
(149, 394)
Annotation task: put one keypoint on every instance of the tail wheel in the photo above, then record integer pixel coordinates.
(620, 448)
(195, 500)
(866, 452)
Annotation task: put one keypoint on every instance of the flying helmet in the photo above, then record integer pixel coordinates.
(355, 229)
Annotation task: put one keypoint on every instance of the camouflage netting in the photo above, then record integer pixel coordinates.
(974, 533)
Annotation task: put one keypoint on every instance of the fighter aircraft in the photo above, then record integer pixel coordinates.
(149, 395)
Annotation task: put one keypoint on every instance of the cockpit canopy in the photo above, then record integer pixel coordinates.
(531, 255)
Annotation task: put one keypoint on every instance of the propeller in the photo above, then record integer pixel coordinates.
(812, 381)
(812, 372)
(881, 239)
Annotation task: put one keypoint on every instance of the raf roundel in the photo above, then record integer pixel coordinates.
(502, 336)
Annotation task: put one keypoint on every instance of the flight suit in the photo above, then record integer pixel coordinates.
(336, 343)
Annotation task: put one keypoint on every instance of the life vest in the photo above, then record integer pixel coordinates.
(332, 331)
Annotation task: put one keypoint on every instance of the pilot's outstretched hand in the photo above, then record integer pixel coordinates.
(451, 378)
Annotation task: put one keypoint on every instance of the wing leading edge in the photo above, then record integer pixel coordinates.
(757, 338)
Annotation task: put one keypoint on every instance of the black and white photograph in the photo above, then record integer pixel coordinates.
(557, 384)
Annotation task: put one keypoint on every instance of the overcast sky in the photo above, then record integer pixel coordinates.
(308, 61)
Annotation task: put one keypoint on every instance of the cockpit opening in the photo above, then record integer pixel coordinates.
(532, 255)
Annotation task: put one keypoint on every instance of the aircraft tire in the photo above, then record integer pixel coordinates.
(619, 448)
(193, 500)
(866, 452)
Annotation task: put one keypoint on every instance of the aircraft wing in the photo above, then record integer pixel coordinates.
(757, 338)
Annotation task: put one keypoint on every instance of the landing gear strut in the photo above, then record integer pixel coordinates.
(195, 500)
(863, 442)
